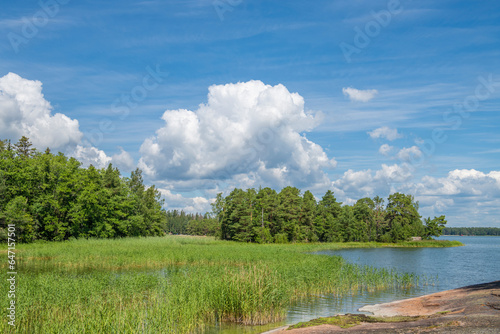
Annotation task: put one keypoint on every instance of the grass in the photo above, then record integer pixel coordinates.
(175, 284)
(431, 243)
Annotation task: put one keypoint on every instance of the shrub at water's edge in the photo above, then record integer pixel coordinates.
(176, 284)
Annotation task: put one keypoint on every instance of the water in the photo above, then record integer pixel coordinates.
(442, 269)
(476, 262)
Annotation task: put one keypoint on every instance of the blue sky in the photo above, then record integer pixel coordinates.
(362, 97)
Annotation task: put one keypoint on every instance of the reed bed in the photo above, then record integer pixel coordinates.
(175, 284)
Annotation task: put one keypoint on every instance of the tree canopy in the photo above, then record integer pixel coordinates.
(51, 197)
(288, 216)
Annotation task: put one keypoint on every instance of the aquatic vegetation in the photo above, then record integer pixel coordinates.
(175, 284)
(432, 243)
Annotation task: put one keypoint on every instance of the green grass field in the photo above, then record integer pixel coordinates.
(176, 284)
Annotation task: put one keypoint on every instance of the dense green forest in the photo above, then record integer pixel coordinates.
(265, 216)
(52, 197)
(471, 231)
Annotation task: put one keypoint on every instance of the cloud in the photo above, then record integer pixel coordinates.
(179, 202)
(366, 183)
(357, 95)
(385, 132)
(434, 206)
(463, 182)
(395, 173)
(466, 196)
(91, 156)
(123, 161)
(385, 149)
(409, 154)
(25, 112)
(247, 134)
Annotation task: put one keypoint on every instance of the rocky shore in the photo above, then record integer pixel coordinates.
(471, 309)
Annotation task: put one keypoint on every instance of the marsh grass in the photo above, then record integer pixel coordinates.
(175, 284)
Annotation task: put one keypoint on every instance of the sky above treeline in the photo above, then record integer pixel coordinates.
(364, 98)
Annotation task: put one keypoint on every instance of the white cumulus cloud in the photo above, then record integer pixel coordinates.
(410, 154)
(466, 196)
(249, 132)
(368, 183)
(385, 149)
(123, 161)
(357, 95)
(25, 112)
(385, 132)
(91, 156)
(188, 204)
(463, 182)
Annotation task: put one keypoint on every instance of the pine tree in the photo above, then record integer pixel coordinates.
(289, 212)
(326, 225)
(267, 203)
(307, 215)
(23, 147)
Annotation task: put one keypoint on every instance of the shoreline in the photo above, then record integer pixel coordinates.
(475, 307)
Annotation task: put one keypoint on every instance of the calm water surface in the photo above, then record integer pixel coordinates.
(476, 262)
(441, 268)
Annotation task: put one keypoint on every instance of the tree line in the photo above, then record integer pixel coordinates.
(266, 216)
(51, 197)
(472, 231)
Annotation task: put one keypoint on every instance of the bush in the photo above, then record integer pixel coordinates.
(263, 235)
(281, 238)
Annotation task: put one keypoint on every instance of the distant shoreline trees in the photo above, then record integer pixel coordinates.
(483, 231)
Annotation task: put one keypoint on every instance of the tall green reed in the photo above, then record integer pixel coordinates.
(175, 284)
